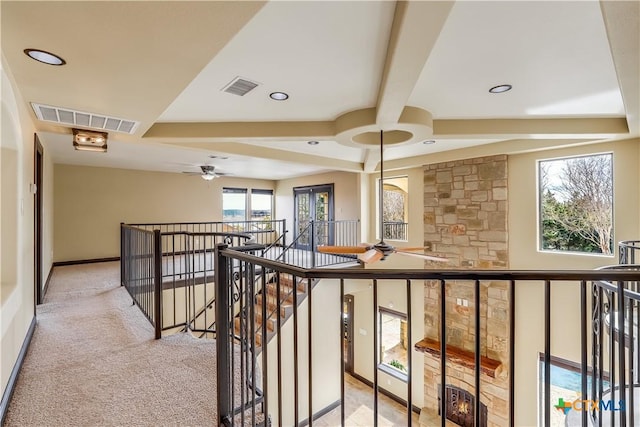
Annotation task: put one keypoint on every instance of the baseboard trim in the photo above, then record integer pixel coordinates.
(387, 393)
(320, 413)
(46, 283)
(85, 261)
(13, 379)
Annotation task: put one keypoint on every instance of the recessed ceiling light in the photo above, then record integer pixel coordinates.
(278, 96)
(313, 142)
(213, 156)
(500, 88)
(429, 141)
(44, 57)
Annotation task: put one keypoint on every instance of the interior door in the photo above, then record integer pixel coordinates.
(347, 332)
(315, 204)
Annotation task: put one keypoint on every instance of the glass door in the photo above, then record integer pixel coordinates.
(313, 204)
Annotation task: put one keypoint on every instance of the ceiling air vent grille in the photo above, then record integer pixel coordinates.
(240, 86)
(67, 116)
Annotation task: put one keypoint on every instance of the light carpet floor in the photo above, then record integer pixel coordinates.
(93, 361)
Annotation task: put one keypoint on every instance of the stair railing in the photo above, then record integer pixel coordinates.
(172, 268)
(283, 372)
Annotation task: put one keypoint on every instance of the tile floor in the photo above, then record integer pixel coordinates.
(359, 408)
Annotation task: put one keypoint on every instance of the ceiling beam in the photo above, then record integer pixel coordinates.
(622, 23)
(415, 30)
(234, 148)
(558, 128)
(223, 131)
(514, 146)
(371, 160)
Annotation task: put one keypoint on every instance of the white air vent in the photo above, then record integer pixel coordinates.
(66, 116)
(240, 86)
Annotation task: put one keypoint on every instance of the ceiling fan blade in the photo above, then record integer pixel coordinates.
(342, 249)
(372, 255)
(191, 173)
(422, 256)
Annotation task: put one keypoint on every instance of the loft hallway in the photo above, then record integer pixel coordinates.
(94, 361)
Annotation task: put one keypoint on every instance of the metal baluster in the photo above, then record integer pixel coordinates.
(443, 353)
(547, 353)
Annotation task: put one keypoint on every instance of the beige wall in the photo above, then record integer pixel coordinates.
(346, 192)
(326, 363)
(523, 254)
(391, 294)
(91, 202)
(17, 287)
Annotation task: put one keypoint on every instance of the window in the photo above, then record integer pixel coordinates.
(393, 343)
(234, 204)
(395, 208)
(261, 205)
(576, 204)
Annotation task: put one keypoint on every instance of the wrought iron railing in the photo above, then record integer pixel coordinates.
(302, 251)
(393, 230)
(265, 232)
(170, 275)
(139, 272)
(293, 388)
(629, 252)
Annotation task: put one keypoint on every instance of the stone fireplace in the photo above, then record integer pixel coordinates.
(465, 220)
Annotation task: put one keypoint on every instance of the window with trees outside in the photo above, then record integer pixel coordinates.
(576, 204)
(393, 343)
(395, 208)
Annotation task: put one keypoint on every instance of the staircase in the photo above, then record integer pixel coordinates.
(269, 297)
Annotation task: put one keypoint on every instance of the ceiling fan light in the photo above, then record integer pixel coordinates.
(208, 177)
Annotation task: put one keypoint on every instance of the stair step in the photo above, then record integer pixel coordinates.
(268, 295)
(286, 294)
(272, 305)
(287, 280)
(258, 326)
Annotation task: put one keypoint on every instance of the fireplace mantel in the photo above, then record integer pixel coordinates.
(490, 367)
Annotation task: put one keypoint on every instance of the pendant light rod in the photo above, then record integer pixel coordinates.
(380, 190)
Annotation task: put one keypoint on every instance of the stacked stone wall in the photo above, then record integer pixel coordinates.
(465, 220)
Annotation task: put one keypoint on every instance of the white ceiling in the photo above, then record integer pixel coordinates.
(574, 71)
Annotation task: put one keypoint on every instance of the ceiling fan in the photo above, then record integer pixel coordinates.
(208, 172)
(369, 253)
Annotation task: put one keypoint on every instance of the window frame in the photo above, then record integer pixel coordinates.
(259, 191)
(236, 190)
(385, 367)
(539, 206)
(379, 221)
